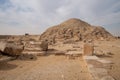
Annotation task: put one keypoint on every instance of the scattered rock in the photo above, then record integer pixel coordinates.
(75, 46)
(71, 50)
(69, 41)
(59, 52)
(27, 57)
(76, 30)
(102, 53)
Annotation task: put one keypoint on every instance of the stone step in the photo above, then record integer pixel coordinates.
(32, 49)
(38, 53)
(44, 52)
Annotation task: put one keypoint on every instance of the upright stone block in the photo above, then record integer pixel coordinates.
(88, 49)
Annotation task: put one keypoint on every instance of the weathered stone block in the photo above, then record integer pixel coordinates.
(44, 45)
(88, 49)
(27, 57)
(12, 49)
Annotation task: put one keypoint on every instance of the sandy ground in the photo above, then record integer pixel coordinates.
(107, 66)
(114, 67)
(45, 68)
(53, 67)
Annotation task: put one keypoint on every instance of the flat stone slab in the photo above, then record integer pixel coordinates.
(104, 61)
(91, 57)
(97, 69)
(38, 53)
(74, 52)
(33, 49)
(97, 59)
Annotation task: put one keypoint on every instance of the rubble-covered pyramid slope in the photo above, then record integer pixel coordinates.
(76, 29)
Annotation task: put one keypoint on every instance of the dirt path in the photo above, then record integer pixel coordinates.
(45, 68)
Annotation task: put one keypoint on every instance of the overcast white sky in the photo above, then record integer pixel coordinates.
(35, 16)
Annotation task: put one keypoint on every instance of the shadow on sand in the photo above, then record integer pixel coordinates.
(54, 52)
(7, 66)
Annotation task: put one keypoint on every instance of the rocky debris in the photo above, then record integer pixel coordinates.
(31, 45)
(44, 45)
(103, 53)
(58, 52)
(20, 38)
(52, 41)
(77, 30)
(69, 41)
(36, 48)
(27, 57)
(76, 46)
(73, 54)
(71, 50)
(12, 49)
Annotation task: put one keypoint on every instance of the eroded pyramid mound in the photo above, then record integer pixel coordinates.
(76, 29)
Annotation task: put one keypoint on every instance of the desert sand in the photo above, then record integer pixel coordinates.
(59, 67)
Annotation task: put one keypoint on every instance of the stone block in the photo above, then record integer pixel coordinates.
(88, 49)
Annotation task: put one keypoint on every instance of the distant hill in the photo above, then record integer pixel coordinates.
(76, 29)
